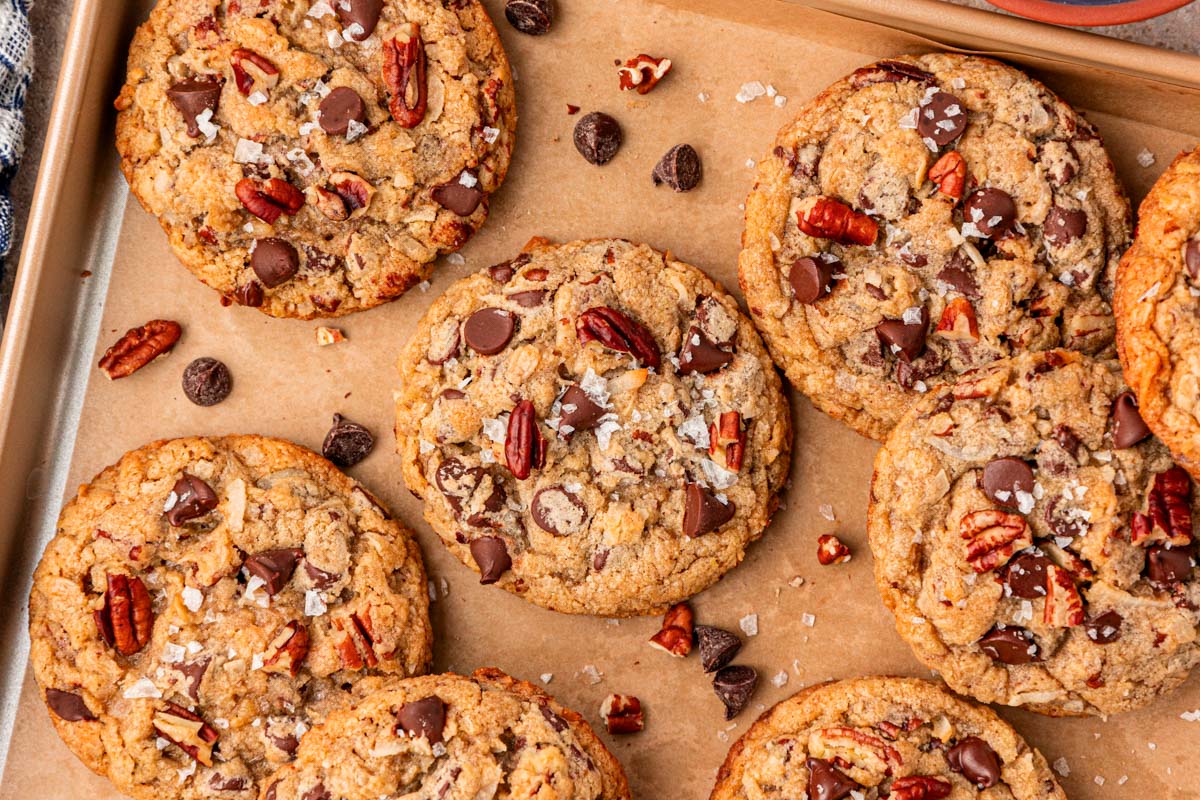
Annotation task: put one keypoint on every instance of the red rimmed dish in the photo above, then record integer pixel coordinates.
(1086, 13)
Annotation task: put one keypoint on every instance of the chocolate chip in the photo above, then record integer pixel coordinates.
(1128, 427)
(735, 685)
(452, 394)
(249, 294)
(221, 783)
(1010, 645)
(318, 792)
(274, 567)
(679, 168)
(68, 706)
(942, 118)
(991, 211)
(1104, 629)
(488, 330)
(491, 556)
(457, 197)
(579, 411)
(190, 498)
(347, 443)
(889, 71)
(717, 647)
(338, 108)
(1167, 565)
(1067, 440)
(207, 381)
(921, 368)
(1025, 575)
(827, 782)
(558, 723)
(274, 261)
(812, 277)
(960, 280)
(600, 559)
(597, 137)
(528, 299)
(423, 719)
(1063, 226)
(558, 511)
(1004, 478)
(192, 97)
(701, 354)
(904, 339)
(1191, 258)
(456, 481)
(703, 511)
(319, 577)
(193, 675)
(976, 761)
(363, 13)
(530, 16)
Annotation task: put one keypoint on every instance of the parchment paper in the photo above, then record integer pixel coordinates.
(285, 385)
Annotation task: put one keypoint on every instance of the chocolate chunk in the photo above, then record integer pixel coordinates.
(347, 443)
(1067, 440)
(1191, 258)
(579, 411)
(192, 97)
(319, 577)
(490, 554)
(921, 368)
(597, 137)
(423, 719)
(488, 330)
(1167, 565)
(1025, 575)
(558, 723)
(68, 706)
(274, 261)
(1004, 478)
(812, 277)
(456, 481)
(530, 16)
(222, 783)
(318, 792)
(827, 782)
(338, 108)
(679, 168)
(703, 511)
(452, 394)
(456, 196)
(207, 381)
(193, 675)
(734, 685)
(991, 211)
(904, 339)
(701, 354)
(249, 294)
(503, 272)
(942, 118)
(528, 299)
(363, 13)
(558, 511)
(1128, 427)
(274, 567)
(976, 761)
(961, 280)
(190, 498)
(1063, 226)
(1010, 645)
(1104, 629)
(717, 647)
(889, 71)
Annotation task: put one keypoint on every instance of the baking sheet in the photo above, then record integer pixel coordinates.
(285, 385)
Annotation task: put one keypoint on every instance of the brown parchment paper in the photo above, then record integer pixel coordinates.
(285, 385)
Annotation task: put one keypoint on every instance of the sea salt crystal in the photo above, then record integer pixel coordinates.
(333, 39)
(912, 315)
(193, 598)
(320, 9)
(808, 620)
(694, 430)
(591, 675)
(353, 32)
(780, 101)
(749, 624)
(1062, 767)
(467, 179)
(702, 97)
(187, 772)
(1190, 716)
(1146, 158)
(142, 688)
(749, 163)
(172, 653)
(205, 124)
(780, 679)
(490, 135)
(547, 677)
(314, 604)
(826, 511)
(355, 130)
(256, 99)
(1151, 292)
(751, 91)
(250, 152)
(718, 477)
(456, 259)
(252, 586)
(496, 428)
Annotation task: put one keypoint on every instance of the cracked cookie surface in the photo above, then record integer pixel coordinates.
(868, 738)
(595, 426)
(454, 738)
(1035, 543)
(205, 601)
(923, 217)
(312, 159)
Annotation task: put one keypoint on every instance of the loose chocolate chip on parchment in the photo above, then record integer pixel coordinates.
(597, 137)
(274, 261)
(347, 443)
(488, 330)
(338, 108)
(1128, 427)
(190, 498)
(975, 760)
(490, 554)
(207, 381)
(734, 686)
(679, 169)
(274, 567)
(424, 718)
(530, 16)
(192, 97)
(717, 647)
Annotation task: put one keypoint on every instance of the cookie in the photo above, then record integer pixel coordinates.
(311, 159)
(1157, 297)
(206, 601)
(1035, 543)
(921, 218)
(449, 736)
(871, 738)
(593, 426)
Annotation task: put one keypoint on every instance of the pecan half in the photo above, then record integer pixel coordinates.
(252, 72)
(404, 77)
(270, 200)
(622, 713)
(831, 550)
(524, 445)
(126, 620)
(870, 757)
(1064, 606)
(357, 647)
(993, 536)
(727, 441)
(616, 331)
(949, 173)
(675, 637)
(139, 346)
(958, 321)
(643, 72)
(1168, 515)
(832, 219)
(354, 191)
(186, 730)
(287, 650)
(920, 787)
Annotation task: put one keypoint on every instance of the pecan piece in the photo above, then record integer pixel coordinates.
(993, 536)
(832, 219)
(868, 757)
(524, 445)
(270, 200)
(920, 787)
(404, 77)
(675, 637)
(354, 191)
(643, 72)
(357, 647)
(1064, 606)
(616, 331)
(958, 321)
(126, 620)
(949, 174)
(890, 72)
(252, 72)
(622, 713)
(979, 383)
(727, 441)
(831, 550)
(139, 346)
(1168, 515)
(186, 730)
(287, 650)
(330, 204)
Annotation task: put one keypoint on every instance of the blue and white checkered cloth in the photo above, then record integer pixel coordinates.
(16, 70)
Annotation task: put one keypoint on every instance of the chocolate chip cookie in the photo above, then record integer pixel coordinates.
(452, 737)
(1157, 298)
(1035, 542)
(594, 426)
(205, 601)
(869, 738)
(313, 158)
(921, 218)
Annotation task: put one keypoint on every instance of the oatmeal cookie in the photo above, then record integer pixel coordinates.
(205, 601)
(312, 158)
(594, 426)
(921, 218)
(1035, 542)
